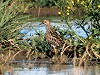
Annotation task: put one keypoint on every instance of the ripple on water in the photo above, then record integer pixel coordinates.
(56, 69)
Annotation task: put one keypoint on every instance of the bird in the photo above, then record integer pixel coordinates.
(52, 37)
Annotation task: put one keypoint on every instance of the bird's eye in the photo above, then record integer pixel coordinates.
(44, 21)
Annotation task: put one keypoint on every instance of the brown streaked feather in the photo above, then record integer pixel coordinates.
(53, 38)
(54, 33)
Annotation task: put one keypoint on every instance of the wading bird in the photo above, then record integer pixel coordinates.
(52, 37)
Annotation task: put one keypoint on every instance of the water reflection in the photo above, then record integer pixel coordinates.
(56, 69)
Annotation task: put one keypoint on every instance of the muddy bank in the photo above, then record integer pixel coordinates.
(9, 57)
(44, 11)
(51, 11)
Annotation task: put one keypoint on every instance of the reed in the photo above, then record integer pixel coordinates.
(11, 20)
(90, 17)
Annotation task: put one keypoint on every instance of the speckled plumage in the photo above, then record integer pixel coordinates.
(52, 37)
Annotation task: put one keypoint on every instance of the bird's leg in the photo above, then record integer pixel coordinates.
(55, 50)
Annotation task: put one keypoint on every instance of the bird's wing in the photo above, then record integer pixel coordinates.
(53, 38)
(55, 34)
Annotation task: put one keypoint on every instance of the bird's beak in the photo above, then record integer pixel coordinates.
(41, 23)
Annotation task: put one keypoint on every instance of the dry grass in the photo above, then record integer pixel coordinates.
(6, 68)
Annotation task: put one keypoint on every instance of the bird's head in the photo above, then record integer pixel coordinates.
(46, 22)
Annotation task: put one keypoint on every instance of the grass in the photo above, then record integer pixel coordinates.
(11, 21)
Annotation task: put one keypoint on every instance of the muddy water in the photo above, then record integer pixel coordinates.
(53, 69)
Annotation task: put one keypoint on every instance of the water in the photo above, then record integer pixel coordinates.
(55, 69)
(30, 28)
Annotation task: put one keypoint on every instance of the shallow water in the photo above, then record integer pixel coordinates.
(54, 69)
(30, 28)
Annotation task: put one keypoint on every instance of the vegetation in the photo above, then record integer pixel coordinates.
(87, 14)
(82, 12)
(11, 20)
